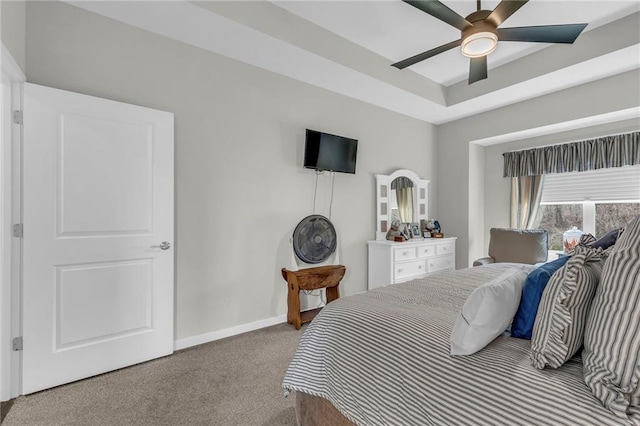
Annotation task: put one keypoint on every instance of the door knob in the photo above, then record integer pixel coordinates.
(165, 245)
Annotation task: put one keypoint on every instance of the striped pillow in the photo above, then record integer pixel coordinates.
(611, 355)
(559, 325)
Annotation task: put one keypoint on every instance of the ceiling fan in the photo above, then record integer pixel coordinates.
(480, 33)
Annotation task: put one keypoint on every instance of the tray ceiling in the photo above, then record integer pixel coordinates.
(348, 46)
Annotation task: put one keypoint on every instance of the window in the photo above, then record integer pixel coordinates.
(595, 201)
(614, 215)
(602, 218)
(557, 218)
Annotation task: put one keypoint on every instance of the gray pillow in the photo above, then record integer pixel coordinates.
(562, 313)
(611, 356)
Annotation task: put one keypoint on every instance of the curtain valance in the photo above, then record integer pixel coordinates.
(401, 182)
(609, 151)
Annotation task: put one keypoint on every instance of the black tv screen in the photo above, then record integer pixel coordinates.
(324, 151)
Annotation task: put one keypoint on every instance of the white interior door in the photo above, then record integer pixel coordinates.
(98, 194)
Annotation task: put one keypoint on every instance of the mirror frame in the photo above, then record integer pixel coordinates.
(383, 191)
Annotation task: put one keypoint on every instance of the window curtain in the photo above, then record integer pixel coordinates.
(404, 195)
(527, 168)
(526, 193)
(401, 182)
(405, 204)
(609, 151)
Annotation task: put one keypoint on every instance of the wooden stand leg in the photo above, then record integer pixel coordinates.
(293, 306)
(333, 293)
(327, 277)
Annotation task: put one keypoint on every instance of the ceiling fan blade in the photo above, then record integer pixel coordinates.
(505, 9)
(440, 11)
(426, 55)
(478, 69)
(564, 33)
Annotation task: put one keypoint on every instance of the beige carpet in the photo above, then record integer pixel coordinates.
(234, 381)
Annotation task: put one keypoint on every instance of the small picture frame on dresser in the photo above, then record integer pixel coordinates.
(415, 231)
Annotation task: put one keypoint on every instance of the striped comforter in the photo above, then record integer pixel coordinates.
(382, 358)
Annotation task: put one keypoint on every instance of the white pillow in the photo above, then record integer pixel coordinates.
(487, 312)
(512, 265)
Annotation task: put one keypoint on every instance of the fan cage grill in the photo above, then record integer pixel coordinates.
(314, 239)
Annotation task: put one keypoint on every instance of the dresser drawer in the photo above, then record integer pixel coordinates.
(445, 248)
(440, 263)
(404, 253)
(426, 251)
(408, 269)
(393, 262)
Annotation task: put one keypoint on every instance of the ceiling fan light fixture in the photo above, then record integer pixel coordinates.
(479, 33)
(479, 44)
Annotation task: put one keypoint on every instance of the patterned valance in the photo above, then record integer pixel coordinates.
(609, 151)
(401, 182)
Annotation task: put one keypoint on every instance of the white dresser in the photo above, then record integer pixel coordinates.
(391, 262)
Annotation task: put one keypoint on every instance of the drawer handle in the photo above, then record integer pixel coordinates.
(400, 270)
(404, 253)
(419, 266)
(431, 265)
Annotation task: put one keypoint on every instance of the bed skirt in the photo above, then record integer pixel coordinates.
(315, 411)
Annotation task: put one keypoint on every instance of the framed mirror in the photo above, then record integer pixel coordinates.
(401, 196)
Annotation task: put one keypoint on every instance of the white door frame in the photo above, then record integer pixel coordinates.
(10, 213)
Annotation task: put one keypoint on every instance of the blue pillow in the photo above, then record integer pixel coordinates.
(534, 285)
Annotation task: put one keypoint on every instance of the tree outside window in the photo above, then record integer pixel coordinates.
(557, 218)
(614, 215)
(594, 218)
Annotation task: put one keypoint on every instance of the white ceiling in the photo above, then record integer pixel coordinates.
(348, 47)
(396, 30)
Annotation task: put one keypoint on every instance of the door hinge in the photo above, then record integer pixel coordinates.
(17, 117)
(18, 230)
(17, 343)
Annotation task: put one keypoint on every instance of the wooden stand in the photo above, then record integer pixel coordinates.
(310, 279)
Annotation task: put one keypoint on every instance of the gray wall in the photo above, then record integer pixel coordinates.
(239, 132)
(240, 187)
(459, 205)
(12, 29)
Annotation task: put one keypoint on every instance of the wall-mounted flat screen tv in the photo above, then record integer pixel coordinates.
(324, 151)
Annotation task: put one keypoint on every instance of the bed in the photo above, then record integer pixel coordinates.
(382, 358)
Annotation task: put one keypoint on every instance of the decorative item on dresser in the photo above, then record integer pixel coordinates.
(392, 263)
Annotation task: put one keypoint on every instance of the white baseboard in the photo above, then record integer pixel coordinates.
(227, 332)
